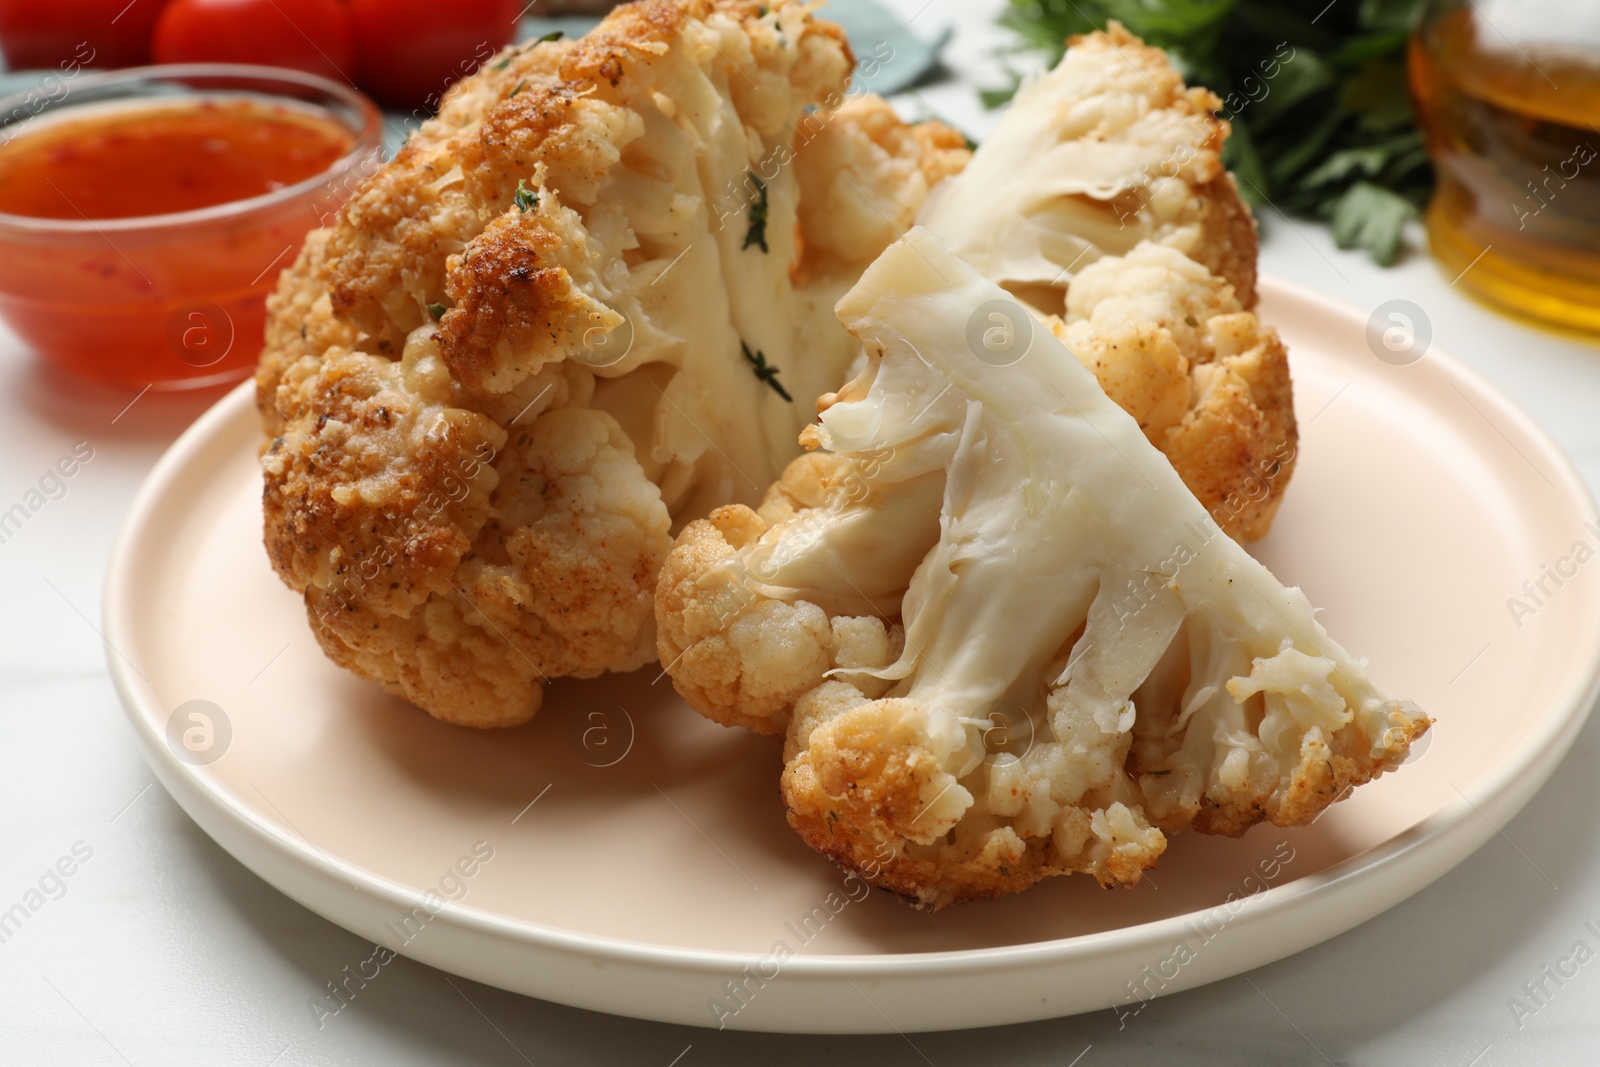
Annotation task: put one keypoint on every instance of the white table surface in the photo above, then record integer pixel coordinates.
(164, 950)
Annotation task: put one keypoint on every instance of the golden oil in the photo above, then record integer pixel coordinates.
(1512, 118)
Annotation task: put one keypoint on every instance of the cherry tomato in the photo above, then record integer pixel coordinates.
(89, 33)
(412, 50)
(308, 35)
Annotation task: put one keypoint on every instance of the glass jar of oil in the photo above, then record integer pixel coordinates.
(1508, 92)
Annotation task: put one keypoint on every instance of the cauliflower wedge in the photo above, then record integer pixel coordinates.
(1109, 156)
(1002, 638)
(576, 307)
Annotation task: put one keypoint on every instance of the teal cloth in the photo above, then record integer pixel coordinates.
(890, 56)
(903, 58)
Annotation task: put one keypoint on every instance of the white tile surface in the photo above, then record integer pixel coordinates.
(163, 950)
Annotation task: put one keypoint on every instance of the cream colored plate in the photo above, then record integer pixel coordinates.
(654, 865)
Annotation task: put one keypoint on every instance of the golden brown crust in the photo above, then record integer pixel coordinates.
(356, 480)
(460, 525)
(863, 791)
(1229, 242)
(463, 676)
(512, 295)
(1323, 777)
(492, 127)
(930, 884)
(300, 324)
(1236, 448)
(862, 787)
(873, 765)
(1207, 382)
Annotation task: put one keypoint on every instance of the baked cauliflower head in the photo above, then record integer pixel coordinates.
(1104, 155)
(575, 306)
(1001, 637)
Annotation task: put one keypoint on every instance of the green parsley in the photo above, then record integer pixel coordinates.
(765, 371)
(1316, 94)
(521, 85)
(757, 234)
(1368, 216)
(526, 199)
(553, 35)
(437, 311)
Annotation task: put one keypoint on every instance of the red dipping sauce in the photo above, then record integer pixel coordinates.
(141, 232)
(163, 159)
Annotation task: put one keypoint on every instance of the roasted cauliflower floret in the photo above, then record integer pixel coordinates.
(1001, 638)
(572, 310)
(1106, 150)
(864, 174)
(1101, 178)
(1204, 379)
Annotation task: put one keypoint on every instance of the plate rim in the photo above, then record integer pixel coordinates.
(1457, 828)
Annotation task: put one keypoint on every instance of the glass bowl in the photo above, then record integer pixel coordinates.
(175, 300)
